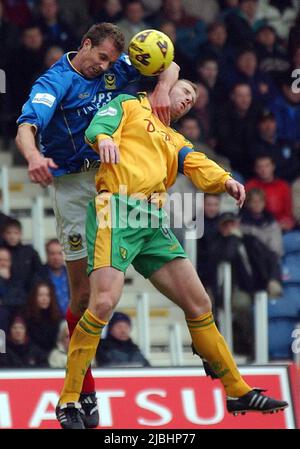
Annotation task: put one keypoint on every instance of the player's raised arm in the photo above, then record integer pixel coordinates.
(160, 100)
(208, 176)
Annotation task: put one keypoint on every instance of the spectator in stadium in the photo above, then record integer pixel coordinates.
(189, 126)
(191, 32)
(55, 30)
(228, 6)
(285, 153)
(296, 202)
(212, 206)
(277, 191)
(204, 111)
(202, 9)
(217, 46)
(53, 54)
(254, 268)
(295, 60)
(173, 10)
(24, 65)
(42, 316)
(26, 262)
(3, 220)
(21, 352)
(207, 72)
(8, 37)
(12, 293)
(286, 108)
(152, 7)
(294, 36)
(58, 356)
(17, 12)
(111, 11)
(280, 14)
(76, 15)
(236, 127)
(181, 57)
(242, 23)
(246, 71)
(133, 20)
(55, 272)
(257, 221)
(118, 349)
(272, 57)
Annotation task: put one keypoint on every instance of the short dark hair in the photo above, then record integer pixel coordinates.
(12, 223)
(101, 31)
(205, 59)
(51, 242)
(214, 25)
(264, 156)
(239, 84)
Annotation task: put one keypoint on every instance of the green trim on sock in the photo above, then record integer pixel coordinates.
(197, 326)
(199, 321)
(88, 330)
(97, 326)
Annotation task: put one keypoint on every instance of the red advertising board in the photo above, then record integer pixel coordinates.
(181, 398)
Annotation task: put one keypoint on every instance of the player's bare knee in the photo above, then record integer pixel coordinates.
(196, 307)
(102, 306)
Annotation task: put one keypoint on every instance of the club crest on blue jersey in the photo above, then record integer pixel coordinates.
(110, 81)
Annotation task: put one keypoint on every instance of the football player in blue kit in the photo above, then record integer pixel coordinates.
(60, 107)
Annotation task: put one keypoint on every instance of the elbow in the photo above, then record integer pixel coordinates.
(176, 67)
(17, 138)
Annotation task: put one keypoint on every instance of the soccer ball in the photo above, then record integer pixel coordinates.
(151, 52)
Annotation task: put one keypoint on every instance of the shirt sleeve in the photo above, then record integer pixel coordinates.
(45, 96)
(108, 121)
(127, 69)
(205, 174)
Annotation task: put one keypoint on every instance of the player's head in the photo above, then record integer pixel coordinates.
(183, 96)
(100, 47)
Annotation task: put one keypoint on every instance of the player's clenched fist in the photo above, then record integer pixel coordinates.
(108, 152)
(39, 169)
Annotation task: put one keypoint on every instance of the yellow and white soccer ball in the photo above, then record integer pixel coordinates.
(151, 52)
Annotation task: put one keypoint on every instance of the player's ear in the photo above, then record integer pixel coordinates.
(87, 44)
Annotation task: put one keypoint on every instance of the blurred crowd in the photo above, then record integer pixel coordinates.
(241, 54)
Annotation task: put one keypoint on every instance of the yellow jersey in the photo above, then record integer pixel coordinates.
(151, 154)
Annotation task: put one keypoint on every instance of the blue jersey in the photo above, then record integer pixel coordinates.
(62, 104)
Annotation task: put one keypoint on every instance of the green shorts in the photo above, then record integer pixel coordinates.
(122, 230)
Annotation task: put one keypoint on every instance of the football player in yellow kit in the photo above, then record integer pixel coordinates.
(142, 156)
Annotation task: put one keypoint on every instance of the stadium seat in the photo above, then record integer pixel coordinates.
(288, 305)
(291, 242)
(280, 337)
(291, 258)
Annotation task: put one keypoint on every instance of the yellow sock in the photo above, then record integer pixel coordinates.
(82, 349)
(210, 344)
